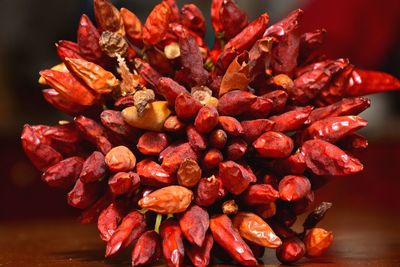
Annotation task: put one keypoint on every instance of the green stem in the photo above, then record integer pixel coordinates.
(158, 222)
(143, 211)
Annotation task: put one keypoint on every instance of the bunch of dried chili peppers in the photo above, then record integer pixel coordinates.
(183, 151)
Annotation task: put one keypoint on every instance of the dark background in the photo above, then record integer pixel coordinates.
(368, 32)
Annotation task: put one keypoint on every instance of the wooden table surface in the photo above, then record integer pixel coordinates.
(360, 240)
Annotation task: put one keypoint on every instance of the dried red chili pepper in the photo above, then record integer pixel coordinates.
(363, 82)
(173, 156)
(152, 174)
(292, 187)
(218, 138)
(206, 119)
(196, 140)
(236, 149)
(170, 89)
(123, 183)
(292, 120)
(347, 106)
(120, 158)
(94, 76)
(64, 173)
(235, 102)
(231, 125)
(233, 19)
(323, 158)
(83, 195)
(113, 120)
(186, 107)
(69, 87)
(252, 129)
(207, 191)
(41, 155)
(192, 62)
(212, 158)
(156, 24)
(61, 103)
(108, 17)
(259, 194)
(310, 41)
(109, 220)
(261, 107)
(249, 35)
(133, 225)
(194, 223)
(88, 41)
(147, 249)
(172, 243)
(235, 177)
(285, 53)
(273, 145)
(227, 237)
(189, 173)
(133, 27)
(67, 49)
(292, 250)
(152, 143)
(334, 128)
(174, 125)
(147, 73)
(216, 6)
(94, 168)
(200, 256)
(193, 19)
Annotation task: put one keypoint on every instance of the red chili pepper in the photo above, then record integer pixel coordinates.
(194, 223)
(332, 129)
(152, 174)
(83, 195)
(259, 194)
(365, 82)
(229, 239)
(200, 256)
(193, 19)
(94, 168)
(88, 41)
(147, 249)
(172, 243)
(69, 87)
(67, 49)
(292, 120)
(235, 177)
(64, 173)
(156, 24)
(109, 220)
(323, 158)
(233, 19)
(131, 228)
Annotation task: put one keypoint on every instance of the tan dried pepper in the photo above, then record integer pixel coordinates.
(168, 200)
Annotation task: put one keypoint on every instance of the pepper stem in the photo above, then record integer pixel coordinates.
(143, 211)
(158, 222)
